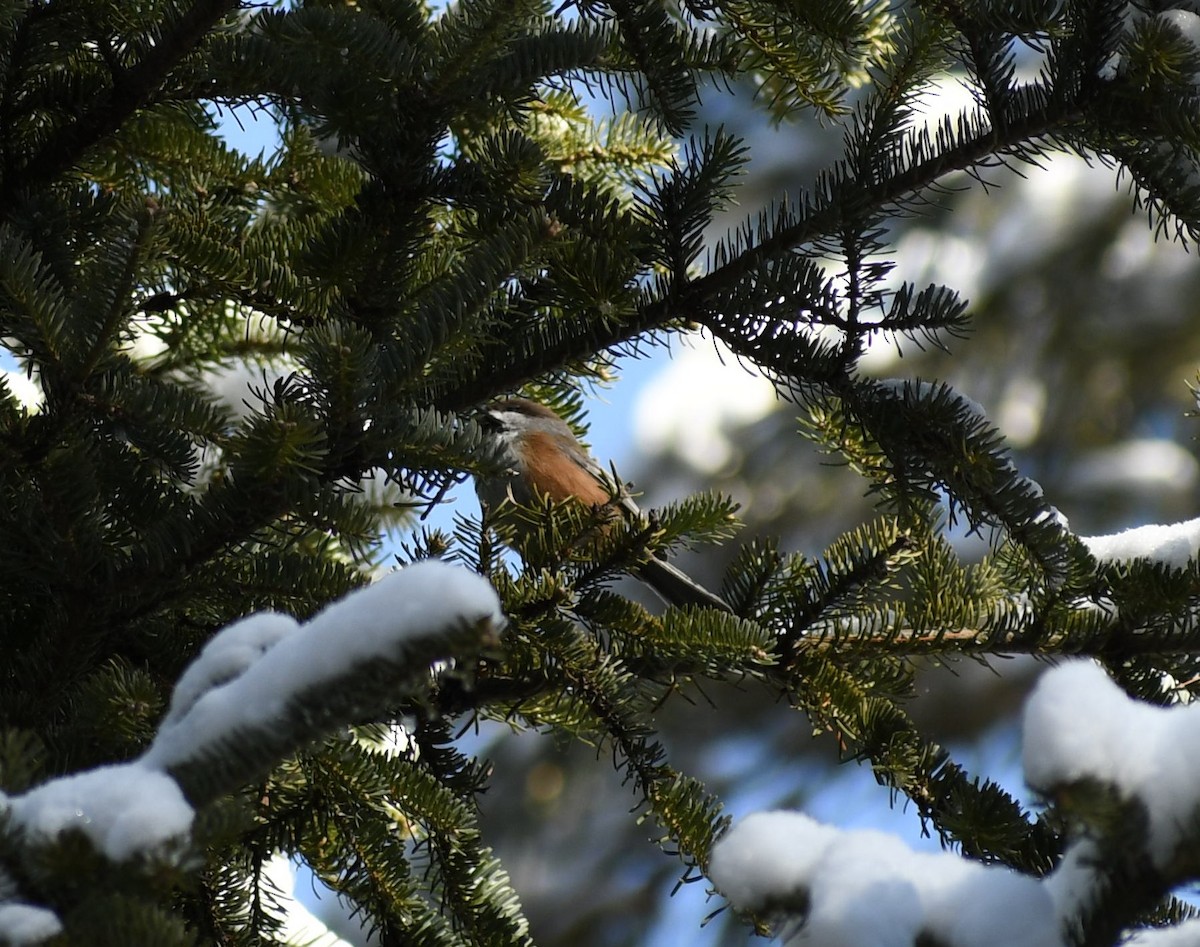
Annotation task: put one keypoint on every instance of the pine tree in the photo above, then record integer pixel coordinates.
(447, 220)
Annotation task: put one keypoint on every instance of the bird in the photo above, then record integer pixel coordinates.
(545, 461)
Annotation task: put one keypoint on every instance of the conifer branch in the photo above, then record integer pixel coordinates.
(876, 567)
(131, 90)
(851, 201)
(874, 728)
(223, 729)
(848, 201)
(479, 227)
(1116, 644)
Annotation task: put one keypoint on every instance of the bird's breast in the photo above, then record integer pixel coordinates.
(555, 475)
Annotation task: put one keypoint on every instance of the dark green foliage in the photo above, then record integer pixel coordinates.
(444, 221)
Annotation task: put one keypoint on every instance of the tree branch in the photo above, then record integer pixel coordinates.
(981, 641)
(130, 91)
(852, 201)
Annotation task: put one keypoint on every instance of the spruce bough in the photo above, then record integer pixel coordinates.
(448, 219)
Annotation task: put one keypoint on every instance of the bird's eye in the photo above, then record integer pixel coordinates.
(489, 422)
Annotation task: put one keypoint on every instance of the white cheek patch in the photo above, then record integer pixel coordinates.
(509, 421)
(508, 435)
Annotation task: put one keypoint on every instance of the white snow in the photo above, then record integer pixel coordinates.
(1080, 726)
(1174, 544)
(125, 809)
(867, 887)
(1186, 934)
(235, 648)
(839, 888)
(1072, 884)
(1186, 22)
(759, 860)
(246, 677)
(371, 624)
(22, 924)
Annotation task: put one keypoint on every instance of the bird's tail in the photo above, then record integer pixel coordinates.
(676, 587)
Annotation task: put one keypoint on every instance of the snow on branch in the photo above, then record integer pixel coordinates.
(1174, 544)
(1081, 729)
(22, 924)
(125, 810)
(868, 887)
(1186, 934)
(261, 688)
(1083, 738)
(265, 686)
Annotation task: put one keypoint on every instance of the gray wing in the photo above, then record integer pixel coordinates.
(611, 482)
(674, 586)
